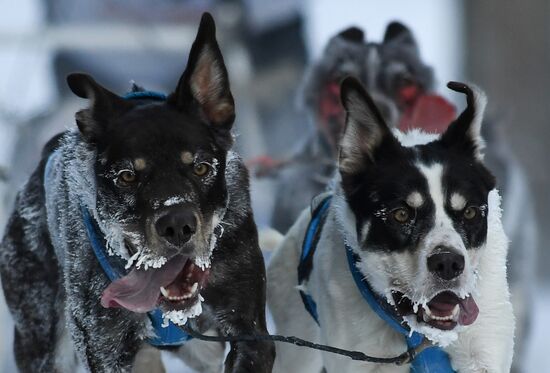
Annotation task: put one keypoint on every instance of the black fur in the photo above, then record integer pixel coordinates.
(51, 278)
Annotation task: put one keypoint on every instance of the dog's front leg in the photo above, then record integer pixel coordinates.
(236, 298)
(106, 340)
(250, 357)
(242, 316)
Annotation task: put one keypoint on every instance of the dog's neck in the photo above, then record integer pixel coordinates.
(343, 216)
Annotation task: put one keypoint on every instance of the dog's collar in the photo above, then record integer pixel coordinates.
(431, 360)
(145, 95)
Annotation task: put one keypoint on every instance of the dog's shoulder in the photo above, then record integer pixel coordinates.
(237, 181)
(31, 195)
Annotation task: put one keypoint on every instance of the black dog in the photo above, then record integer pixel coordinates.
(150, 180)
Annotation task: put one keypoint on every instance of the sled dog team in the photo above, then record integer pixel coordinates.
(137, 222)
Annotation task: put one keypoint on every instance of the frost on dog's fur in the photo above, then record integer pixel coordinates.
(120, 161)
(180, 317)
(80, 171)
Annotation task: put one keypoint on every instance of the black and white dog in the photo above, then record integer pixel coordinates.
(152, 180)
(420, 214)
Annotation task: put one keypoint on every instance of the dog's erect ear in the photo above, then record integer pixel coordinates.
(464, 133)
(205, 82)
(104, 104)
(396, 32)
(365, 130)
(353, 34)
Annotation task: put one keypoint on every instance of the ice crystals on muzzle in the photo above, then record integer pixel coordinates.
(444, 311)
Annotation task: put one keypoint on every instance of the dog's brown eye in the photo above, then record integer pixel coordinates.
(401, 215)
(470, 213)
(127, 177)
(201, 169)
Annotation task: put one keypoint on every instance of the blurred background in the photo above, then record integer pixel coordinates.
(270, 48)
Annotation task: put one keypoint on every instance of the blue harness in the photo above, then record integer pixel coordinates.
(113, 267)
(431, 360)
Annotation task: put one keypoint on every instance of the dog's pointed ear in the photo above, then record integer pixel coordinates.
(365, 131)
(104, 105)
(352, 34)
(396, 32)
(464, 133)
(205, 81)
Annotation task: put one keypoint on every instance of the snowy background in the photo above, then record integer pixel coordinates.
(503, 47)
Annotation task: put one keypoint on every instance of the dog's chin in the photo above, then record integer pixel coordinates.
(445, 311)
(184, 292)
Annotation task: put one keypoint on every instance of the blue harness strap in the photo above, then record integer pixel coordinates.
(431, 360)
(145, 95)
(113, 267)
(308, 251)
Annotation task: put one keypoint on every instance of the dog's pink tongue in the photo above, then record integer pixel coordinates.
(139, 290)
(432, 113)
(468, 311)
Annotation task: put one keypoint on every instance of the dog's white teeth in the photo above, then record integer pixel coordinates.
(455, 313)
(187, 296)
(426, 317)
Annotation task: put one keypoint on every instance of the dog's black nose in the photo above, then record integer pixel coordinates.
(446, 265)
(177, 227)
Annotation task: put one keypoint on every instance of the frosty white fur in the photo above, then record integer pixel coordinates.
(78, 169)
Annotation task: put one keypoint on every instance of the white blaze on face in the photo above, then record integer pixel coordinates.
(443, 232)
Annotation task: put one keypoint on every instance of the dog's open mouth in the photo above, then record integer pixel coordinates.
(184, 291)
(444, 311)
(174, 286)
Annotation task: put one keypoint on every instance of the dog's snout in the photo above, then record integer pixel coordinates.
(177, 227)
(446, 264)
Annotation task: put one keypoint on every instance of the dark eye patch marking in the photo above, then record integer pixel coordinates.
(375, 192)
(465, 188)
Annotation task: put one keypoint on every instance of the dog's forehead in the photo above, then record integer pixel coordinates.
(433, 173)
(151, 135)
(400, 179)
(440, 190)
(461, 176)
